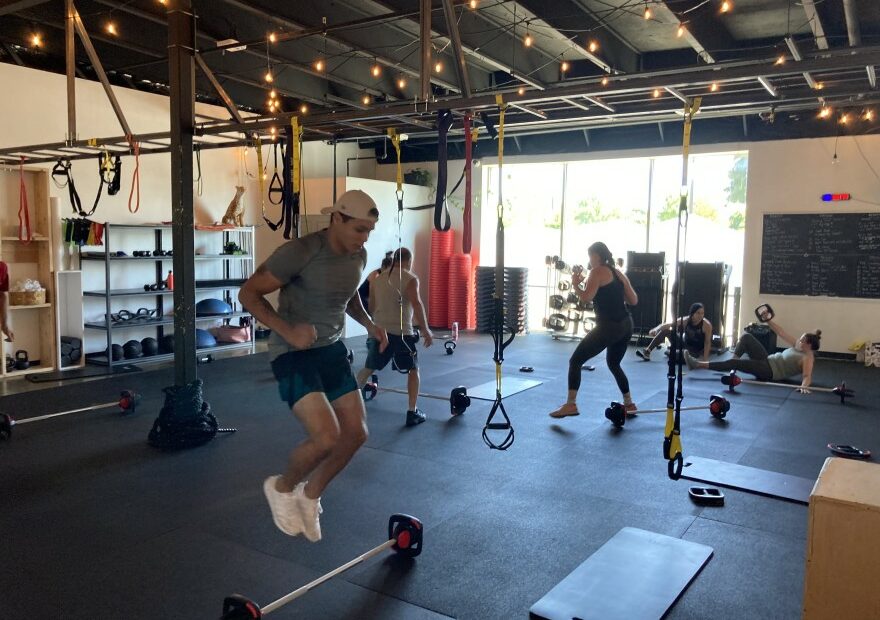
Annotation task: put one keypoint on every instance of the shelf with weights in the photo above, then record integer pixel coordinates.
(129, 299)
(26, 246)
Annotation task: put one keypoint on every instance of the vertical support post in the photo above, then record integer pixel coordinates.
(181, 71)
(70, 62)
(425, 41)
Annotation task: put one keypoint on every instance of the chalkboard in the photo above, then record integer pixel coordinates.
(828, 254)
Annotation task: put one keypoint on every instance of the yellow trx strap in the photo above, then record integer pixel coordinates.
(395, 142)
(295, 167)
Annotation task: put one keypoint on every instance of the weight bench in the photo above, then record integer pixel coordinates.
(636, 575)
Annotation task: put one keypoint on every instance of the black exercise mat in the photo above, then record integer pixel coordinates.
(750, 479)
(83, 373)
(635, 575)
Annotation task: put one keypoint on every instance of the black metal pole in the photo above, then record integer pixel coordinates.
(181, 71)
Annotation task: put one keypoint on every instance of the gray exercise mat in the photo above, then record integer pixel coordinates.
(636, 575)
(509, 387)
(749, 479)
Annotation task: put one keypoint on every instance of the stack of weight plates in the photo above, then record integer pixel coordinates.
(438, 279)
(515, 299)
(460, 290)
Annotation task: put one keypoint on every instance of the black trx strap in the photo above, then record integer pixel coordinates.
(498, 323)
(674, 394)
(468, 188)
(113, 184)
(444, 122)
(276, 186)
(62, 170)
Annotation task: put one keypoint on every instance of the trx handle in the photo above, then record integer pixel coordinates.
(276, 186)
(292, 170)
(444, 123)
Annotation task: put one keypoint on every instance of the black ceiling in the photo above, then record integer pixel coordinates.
(678, 35)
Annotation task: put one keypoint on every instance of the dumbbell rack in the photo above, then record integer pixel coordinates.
(243, 236)
(576, 316)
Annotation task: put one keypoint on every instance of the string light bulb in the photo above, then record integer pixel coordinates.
(824, 112)
(272, 131)
(111, 28)
(268, 77)
(868, 115)
(820, 85)
(647, 13)
(604, 81)
(272, 94)
(438, 67)
(844, 119)
(272, 37)
(473, 4)
(401, 83)
(303, 109)
(780, 60)
(36, 40)
(319, 65)
(726, 5)
(593, 46)
(527, 41)
(521, 91)
(714, 87)
(564, 66)
(376, 71)
(366, 100)
(680, 32)
(656, 93)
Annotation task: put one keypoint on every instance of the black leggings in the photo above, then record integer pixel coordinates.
(611, 335)
(694, 349)
(757, 363)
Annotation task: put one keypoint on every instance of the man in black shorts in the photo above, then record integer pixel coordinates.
(394, 301)
(317, 277)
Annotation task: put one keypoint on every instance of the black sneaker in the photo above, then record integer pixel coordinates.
(414, 417)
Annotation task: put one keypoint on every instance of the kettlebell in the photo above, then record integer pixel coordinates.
(21, 360)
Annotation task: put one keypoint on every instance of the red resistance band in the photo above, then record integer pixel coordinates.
(468, 190)
(23, 206)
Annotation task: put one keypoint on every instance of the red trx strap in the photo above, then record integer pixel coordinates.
(468, 156)
(23, 205)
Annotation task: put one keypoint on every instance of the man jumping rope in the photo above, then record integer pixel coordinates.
(317, 276)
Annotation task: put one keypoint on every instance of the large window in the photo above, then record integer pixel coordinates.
(630, 204)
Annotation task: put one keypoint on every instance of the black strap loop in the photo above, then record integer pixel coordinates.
(444, 123)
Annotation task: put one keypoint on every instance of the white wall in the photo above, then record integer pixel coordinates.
(37, 114)
(790, 177)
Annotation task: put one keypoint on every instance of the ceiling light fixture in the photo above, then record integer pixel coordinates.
(593, 47)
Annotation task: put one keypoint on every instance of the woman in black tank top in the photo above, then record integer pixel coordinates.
(610, 291)
(697, 334)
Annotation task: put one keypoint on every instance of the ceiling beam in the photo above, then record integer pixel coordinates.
(701, 29)
(461, 69)
(768, 86)
(425, 49)
(853, 31)
(815, 24)
(300, 28)
(796, 54)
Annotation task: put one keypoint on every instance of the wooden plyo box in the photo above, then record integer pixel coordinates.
(843, 542)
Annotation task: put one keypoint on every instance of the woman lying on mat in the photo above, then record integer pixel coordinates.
(697, 334)
(795, 360)
(610, 291)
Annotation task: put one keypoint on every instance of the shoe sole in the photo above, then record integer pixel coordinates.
(564, 415)
(416, 422)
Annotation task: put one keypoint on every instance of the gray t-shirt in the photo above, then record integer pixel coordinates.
(317, 284)
(387, 291)
(786, 363)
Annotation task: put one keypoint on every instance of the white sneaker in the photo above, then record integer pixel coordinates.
(284, 509)
(309, 512)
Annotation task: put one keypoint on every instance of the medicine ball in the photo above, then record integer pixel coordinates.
(166, 345)
(132, 349)
(150, 346)
(116, 352)
(212, 307)
(205, 339)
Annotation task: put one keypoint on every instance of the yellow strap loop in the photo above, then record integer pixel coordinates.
(295, 156)
(395, 142)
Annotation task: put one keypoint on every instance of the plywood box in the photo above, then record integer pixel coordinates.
(843, 542)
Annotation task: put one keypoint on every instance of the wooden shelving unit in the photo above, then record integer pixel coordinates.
(34, 326)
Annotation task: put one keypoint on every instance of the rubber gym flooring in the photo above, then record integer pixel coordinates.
(96, 524)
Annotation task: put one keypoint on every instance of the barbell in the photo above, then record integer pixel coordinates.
(127, 403)
(405, 536)
(458, 398)
(718, 406)
(732, 380)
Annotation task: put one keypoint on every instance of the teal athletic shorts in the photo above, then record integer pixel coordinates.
(322, 369)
